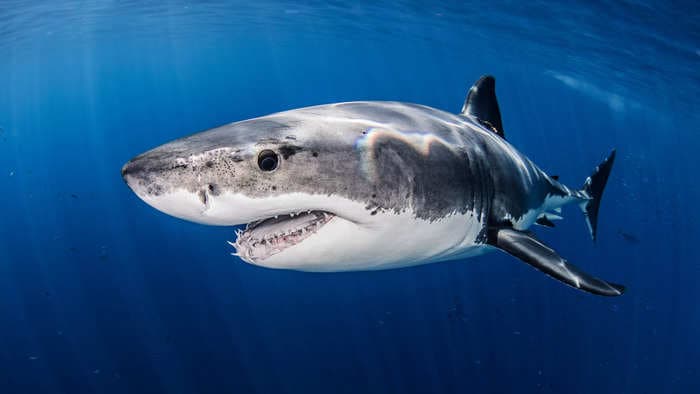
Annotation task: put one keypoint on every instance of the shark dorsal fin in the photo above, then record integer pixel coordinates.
(481, 103)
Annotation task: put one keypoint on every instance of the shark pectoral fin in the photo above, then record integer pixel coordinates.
(529, 249)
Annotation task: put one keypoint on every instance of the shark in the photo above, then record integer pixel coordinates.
(370, 185)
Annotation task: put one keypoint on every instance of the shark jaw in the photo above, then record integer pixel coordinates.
(324, 233)
(265, 238)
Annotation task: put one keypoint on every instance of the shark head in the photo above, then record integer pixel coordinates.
(319, 189)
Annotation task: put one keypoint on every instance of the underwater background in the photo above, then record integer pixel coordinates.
(100, 293)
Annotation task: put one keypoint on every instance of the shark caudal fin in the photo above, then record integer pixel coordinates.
(593, 189)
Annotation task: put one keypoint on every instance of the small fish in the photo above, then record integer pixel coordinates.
(628, 237)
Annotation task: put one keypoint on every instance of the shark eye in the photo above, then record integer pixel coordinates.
(267, 160)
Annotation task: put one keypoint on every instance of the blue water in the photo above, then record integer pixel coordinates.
(100, 293)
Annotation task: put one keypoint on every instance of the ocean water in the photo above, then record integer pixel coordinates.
(99, 293)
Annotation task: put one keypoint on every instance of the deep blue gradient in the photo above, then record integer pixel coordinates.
(99, 293)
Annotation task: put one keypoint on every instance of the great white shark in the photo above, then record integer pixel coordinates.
(369, 186)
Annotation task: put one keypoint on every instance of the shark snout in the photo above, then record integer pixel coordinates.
(145, 176)
(135, 171)
(166, 184)
(128, 171)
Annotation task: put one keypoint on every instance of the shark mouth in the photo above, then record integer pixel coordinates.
(270, 236)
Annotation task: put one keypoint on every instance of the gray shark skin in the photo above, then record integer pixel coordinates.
(368, 185)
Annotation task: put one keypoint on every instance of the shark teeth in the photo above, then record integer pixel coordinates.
(264, 238)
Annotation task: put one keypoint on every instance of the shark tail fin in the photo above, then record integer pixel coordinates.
(593, 191)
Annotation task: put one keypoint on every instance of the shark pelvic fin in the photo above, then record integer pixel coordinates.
(529, 249)
(544, 221)
(482, 104)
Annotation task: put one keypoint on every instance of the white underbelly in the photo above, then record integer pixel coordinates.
(393, 241)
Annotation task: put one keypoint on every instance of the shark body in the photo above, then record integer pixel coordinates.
(368, 186)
